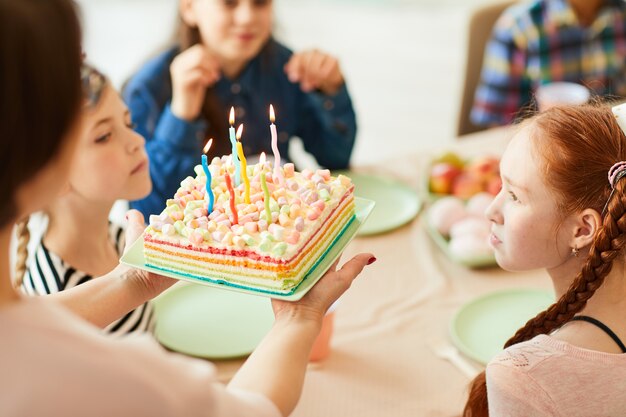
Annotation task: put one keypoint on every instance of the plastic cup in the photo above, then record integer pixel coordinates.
(560, 94)
(321, 346)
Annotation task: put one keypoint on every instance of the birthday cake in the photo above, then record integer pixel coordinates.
(265, 233)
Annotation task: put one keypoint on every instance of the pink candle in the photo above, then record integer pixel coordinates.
(277, 170)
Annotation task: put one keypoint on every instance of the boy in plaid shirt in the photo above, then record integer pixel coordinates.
(543, 41)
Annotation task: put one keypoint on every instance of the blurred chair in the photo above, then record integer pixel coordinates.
(480, 27)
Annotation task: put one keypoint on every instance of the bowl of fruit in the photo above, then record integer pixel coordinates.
(449, 174)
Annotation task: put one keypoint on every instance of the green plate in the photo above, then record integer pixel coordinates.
(481, 327)
(206, 322)
(469, 261)
(396, 203)
(134, 257)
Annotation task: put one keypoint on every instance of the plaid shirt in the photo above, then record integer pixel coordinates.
(541, 41)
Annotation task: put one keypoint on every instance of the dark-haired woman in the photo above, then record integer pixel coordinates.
(54, 361)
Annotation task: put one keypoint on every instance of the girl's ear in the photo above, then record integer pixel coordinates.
(586, 227)
(188, 12)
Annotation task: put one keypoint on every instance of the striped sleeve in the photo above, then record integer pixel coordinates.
(48, 273)
(45, 274)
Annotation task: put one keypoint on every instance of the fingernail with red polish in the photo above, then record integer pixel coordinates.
(371, 260)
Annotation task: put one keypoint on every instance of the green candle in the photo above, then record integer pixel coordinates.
(266, 191)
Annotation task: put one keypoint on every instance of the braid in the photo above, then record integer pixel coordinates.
(23, 236)
(476, 405)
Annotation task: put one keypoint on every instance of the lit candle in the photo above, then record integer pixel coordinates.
(277, 174)
(244, 166)
(231, 191)
(205, 166)
(262, 160)
(233, 142)
(266, 191)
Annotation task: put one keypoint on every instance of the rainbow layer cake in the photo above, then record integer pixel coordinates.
(265, 233)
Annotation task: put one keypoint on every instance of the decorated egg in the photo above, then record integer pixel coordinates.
(445, 212)
(476, 226)
(469, 246)
(477, 205)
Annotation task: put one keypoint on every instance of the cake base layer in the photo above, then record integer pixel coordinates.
(242, 277)
(251, 269)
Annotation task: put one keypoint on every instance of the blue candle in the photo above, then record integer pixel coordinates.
(233, 142)
(207, 172)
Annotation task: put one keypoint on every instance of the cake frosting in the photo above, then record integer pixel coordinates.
(264, 244)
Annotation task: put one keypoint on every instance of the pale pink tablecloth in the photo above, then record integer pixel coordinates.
(382, 362)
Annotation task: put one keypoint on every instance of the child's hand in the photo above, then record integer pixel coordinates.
(315, 70)
(148, 283)
(134, 227)
(192, 71)
(333, 284)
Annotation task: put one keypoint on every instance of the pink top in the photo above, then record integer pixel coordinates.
(548, 377)
(55, 364)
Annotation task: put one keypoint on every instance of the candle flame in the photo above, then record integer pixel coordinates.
(207, 146)
(272, 115)
(239, 131)
(262, 159)
(231, 118)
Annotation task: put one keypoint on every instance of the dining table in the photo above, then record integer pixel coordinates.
(392, 325)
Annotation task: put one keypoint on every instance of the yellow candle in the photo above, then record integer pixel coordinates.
(244, 166)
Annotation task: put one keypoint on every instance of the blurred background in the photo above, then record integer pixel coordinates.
(403, 59)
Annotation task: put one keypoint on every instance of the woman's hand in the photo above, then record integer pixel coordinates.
(146, 282)
(315, 70)
(277, 366)
(316, 302)
(192, 71)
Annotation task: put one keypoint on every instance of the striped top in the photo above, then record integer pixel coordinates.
(48, 273)
(541, 41)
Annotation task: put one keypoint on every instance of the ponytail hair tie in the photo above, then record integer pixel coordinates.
(616, 172)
